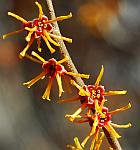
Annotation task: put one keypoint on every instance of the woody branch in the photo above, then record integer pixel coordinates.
(114, 143)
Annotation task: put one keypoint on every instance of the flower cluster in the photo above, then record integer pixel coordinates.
(52, 69)
(97, 121)
(97, 115)
(92, 97)
(37, 28)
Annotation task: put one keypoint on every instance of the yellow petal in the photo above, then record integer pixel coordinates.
(12, 33)
(33, 81)
(102, 104)
(92, 144)
(39, 44)
(95, 124)
(49, 38)
(22, 54)
(72, 117)
(111, 130)
(98, 144)
(18, 17)
(121, 126)
(33, 59)
(60, 38)
(78, 75)
(46, 94)
(82, 92)
(52, 50)
(93, 130)
(77, 143)
(121, 109)
(75, 84)
(59, 82)
(40, 10)
(95, 139)
(63, 60)
(98, 109)
(31, 31)
(73, 147)
(99, 76)
(60, 18)
(39, 57)
(109, 93)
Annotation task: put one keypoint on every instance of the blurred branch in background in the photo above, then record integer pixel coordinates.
(98, 15)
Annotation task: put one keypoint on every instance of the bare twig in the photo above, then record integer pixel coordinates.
(114, 143)
(63, 48)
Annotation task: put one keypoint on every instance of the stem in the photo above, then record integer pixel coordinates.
(63, 49)
(114, 143)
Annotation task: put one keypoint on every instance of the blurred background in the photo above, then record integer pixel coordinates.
(104, 32)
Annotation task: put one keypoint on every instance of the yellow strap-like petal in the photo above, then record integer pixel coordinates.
(95, 139)
(78, 75)
(102, 104)
(31, 31)
(98, 109)
(33, 59)
(111, 130)
(79, 110)
(121, 126)
(60, 18)
(93, 130)
(121, 109)
(40, 10)
(73, 147)
(17, 17)
(52, 50)
(82, 92)
(39, 57)
(77, 143)
(99, 76)
(39, 44)
(94, 127)
(46, 34)
(59, 82)
(36, 79)
(46, 94)
(60, 38)
(22, 54)
(63, 60)
(98, 144)
(109, 93)
(12, 33)
(75, 84)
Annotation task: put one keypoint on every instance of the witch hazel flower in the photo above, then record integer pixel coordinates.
(53, 69)
(38, 28)
(91, 96)
(97, 121)
(79, 147)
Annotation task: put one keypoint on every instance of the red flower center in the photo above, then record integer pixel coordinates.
(41, 25)
(52, 68)
(97, 93)
(104, 121)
